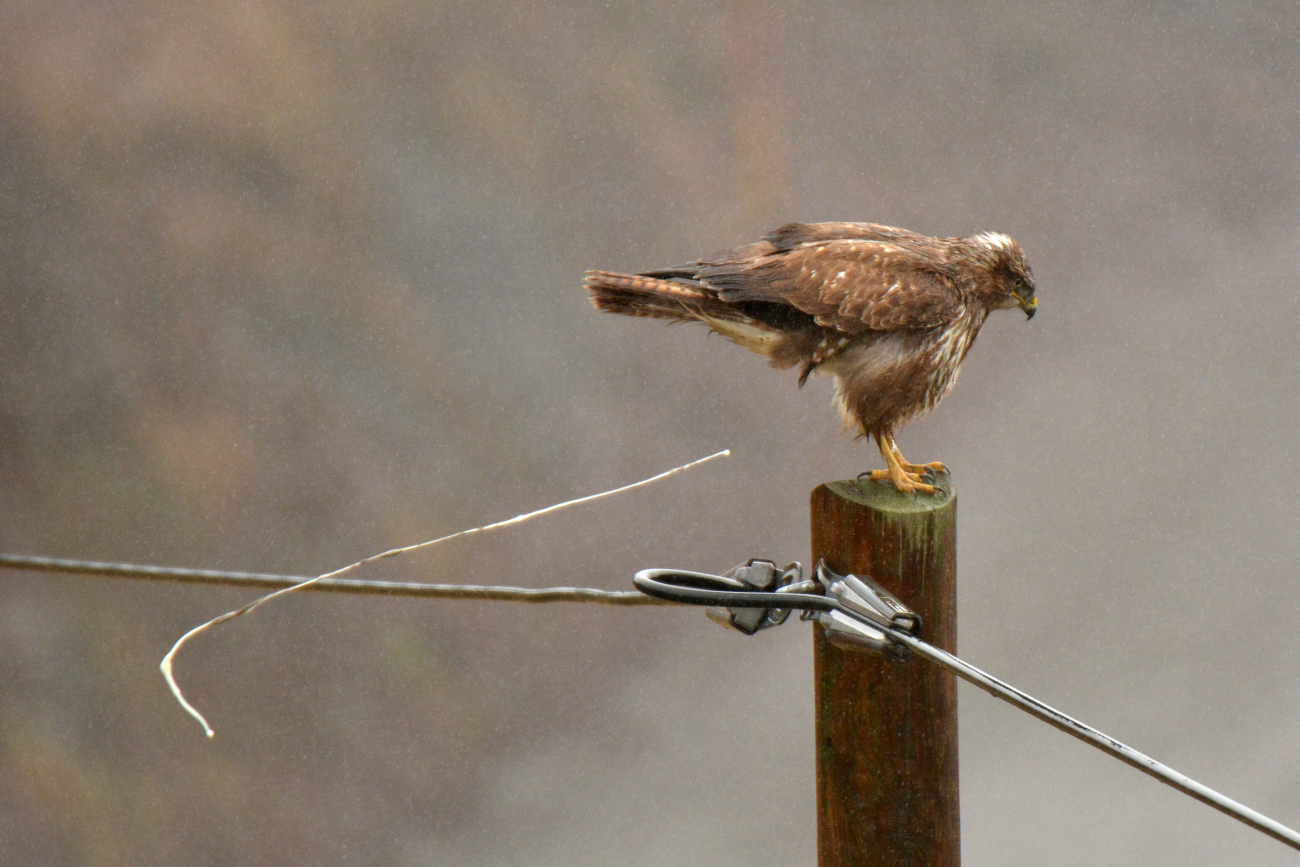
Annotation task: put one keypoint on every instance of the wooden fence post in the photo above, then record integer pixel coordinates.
(887, 731)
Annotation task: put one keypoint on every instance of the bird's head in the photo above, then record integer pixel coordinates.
(1007, 281)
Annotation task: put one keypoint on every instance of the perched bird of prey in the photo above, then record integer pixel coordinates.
(889, 313)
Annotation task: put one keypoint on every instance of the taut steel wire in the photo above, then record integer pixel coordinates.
(863, 614)
(329, 585)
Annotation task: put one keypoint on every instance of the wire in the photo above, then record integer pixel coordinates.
(959, 667)
(1102, 741)
(857, 609)
(625, 598)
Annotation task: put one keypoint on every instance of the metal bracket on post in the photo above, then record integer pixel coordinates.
(864, 597)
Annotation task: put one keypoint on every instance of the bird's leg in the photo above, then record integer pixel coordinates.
(933, 466)
(904, 479)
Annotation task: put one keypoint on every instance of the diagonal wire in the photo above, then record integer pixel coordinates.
(875, 622)
(1091, 736)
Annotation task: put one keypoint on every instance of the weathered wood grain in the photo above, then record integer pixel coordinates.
(887, 732)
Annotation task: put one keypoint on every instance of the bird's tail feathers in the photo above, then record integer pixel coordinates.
(636, 295)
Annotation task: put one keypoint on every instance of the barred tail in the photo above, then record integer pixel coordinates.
(635, 295)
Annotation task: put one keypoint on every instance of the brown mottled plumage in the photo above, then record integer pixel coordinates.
(889, 313)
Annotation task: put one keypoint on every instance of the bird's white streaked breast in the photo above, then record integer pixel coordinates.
(950, 349)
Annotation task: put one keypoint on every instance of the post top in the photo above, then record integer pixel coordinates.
(882, 496)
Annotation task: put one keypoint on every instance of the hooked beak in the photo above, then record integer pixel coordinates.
(1030, 307)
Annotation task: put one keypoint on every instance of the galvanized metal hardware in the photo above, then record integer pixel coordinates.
(874, 606)
(762, 576)
(869, 606)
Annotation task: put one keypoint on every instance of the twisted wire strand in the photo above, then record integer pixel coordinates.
(592, 595)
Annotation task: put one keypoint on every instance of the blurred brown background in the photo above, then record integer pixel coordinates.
(285, 284)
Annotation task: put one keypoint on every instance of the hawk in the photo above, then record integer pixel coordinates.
(889, 313)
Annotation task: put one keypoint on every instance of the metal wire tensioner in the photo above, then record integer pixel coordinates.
(860, 615)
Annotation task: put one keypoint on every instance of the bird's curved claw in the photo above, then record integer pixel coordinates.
(932, 467)
(905, 482)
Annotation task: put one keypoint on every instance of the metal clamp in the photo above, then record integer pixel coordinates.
(762, 576)
(856, 611)
(874, 606)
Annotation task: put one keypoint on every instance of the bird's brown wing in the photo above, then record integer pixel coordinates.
(793, 235)
(851, 284)
(787, 238)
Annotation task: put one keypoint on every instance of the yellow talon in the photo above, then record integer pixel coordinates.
(907, 477)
